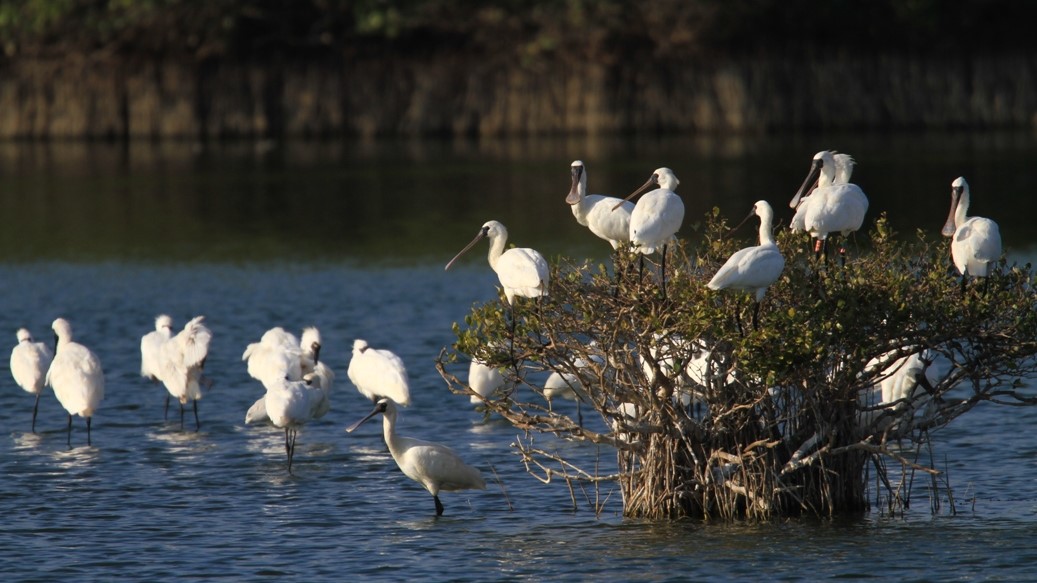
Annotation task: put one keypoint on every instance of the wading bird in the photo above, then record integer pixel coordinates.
(76, 377)
(595, 211)
(656, 217)
(151, 352)
(278, 356)
(29, 363)
(378, 373)
(752, 269)
(975, 241)
(433, 465)
(181, 363)
(834, 206)
(292, 404)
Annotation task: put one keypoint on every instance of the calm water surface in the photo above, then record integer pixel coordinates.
(321, 234)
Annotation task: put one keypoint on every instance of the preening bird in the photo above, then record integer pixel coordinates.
(292, 404)
(278, 356)
(433, 465)
(378, 373)
(151, 352)
(595, 211)
(181, 363)
(975, 241)
(521, 271)
(29, 363)
(656, 217)
(753, 269)
(75, 375)
(834, 206)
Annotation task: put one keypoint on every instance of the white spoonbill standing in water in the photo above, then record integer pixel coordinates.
(29, 363)
(656, 217)
(835, 206)
(752, 269)
(76, 377)
(975, 241)
(433, 465)
(292, 404)
(595, 211)
(378, 373)
(182, 360)
(151, 353)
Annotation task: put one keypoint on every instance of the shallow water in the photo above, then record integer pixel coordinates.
(149, 502)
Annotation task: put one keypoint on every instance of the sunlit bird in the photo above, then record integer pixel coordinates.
(75, 375)
(433, 465)
(656, 217)
(521, 271)
(292, 404)
(975, 241)
(29, 363)
(485, 380)
(182, 362)
(378, 373)
(279, 356)
(595, 211)
(753, 269)
(834, 206)
(151, 353)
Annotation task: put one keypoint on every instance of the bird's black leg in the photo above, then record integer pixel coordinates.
(756, 316)
(165, 412)
(35, 408)
(70, 430)
(88, 419)
(181, 416)
(439, 505)
(197, 423)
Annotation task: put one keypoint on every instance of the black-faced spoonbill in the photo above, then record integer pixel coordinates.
(181, 363)
(975, 241)
(433, 465)
(521, 271)
(656, 217)
(151, 352)
(292, 404)
(753, 269)
(834, 206)
(76, 377)
(378, 373)
(29, 363)
(281, 358)
(595, 211)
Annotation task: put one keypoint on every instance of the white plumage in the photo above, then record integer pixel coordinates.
(292, 404)
(607, 217)
(484, 380)
(75, 375)
(433, 465)
(181, 362)
(277, 356)
(835, 205)
(378, 373)
(521, 271)
(658, 215)
(151, 347)
(975, 241)
(30, 361)
(753, 269)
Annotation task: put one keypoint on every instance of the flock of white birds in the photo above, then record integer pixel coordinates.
(298, 384)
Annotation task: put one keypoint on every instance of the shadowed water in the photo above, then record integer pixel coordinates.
(149, 502)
